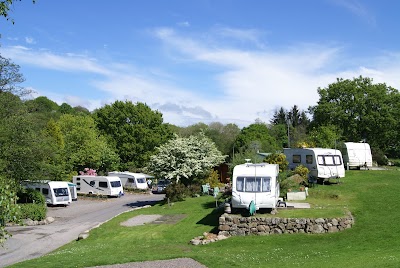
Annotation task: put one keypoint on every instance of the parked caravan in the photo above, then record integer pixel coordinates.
(132, 180)
(72, 189)
(356, 155)
(255, 184)
(322, 163)
(55, 192)
(102, 185)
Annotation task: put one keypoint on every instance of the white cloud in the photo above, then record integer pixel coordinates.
(357, 8)
(30, 40)
(247, 84)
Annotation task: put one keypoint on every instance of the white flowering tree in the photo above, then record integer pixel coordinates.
(185, 158)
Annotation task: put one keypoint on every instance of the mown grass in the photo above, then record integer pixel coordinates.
(374, 240)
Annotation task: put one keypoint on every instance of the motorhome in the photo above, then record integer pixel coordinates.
(55, 192)
(257, 184)
(101, 185)
(132, 180)
(323, 163)
(356, 155)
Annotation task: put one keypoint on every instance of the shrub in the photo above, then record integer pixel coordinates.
(379, 157)
(36, 212)
(31, 196)
(279, 159)
(176, 192)
(212, 179)
(302, 171)
(194, 189)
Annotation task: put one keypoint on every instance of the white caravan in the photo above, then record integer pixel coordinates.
(257, 183)
(102, 185)
(356, 155)
(322, 163)
(72, 189)
(132, 180)
(55, 192)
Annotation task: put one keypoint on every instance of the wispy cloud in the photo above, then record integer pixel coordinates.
(251, 84)
(357, 8)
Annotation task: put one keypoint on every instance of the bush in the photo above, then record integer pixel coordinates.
(279, 159)
(212, 179)
(194, 189)
(379, 157)
(176, 192)
(36, 212)
(31, 196)
(302, 171)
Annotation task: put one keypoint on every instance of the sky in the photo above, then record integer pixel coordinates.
(227, 61)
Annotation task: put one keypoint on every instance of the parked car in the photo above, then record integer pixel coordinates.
(161, 185)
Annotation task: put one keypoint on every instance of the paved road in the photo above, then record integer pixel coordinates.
(28, 242)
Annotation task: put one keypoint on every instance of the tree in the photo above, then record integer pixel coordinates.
(185, 159)
(362, 110)
(256, 137)
(5, 8)
(134, 129)
(84, 146)
(10, 78)
(8, 209)
(325, 136)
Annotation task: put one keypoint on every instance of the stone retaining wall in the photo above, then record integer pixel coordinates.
(231, 225)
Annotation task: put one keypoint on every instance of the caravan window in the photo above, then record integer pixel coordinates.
(131, 180)
(115, 184)
(329, 160)
(60, 192)
(103, 184)
(45, 191)
(253, 184)
(296, 158)
(141, 180)
(309, 159)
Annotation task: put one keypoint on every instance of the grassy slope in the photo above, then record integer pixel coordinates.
(373, 242)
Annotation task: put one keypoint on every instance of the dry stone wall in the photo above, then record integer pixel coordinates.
(233, 225)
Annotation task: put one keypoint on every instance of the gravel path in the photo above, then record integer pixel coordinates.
(174, 263)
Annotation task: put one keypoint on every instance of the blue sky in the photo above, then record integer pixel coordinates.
(227, 61)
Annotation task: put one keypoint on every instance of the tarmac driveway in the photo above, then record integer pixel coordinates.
(28, 242)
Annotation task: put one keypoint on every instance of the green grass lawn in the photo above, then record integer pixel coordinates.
(374, 241)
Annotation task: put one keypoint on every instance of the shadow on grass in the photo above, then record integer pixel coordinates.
(212, 219)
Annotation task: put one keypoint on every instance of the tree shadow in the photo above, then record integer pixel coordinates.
(212, 219)
(143, 203)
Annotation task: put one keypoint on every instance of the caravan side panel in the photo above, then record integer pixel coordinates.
(357, 155)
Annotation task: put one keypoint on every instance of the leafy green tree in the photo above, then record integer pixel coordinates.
(256, 137)
(134, 129)
(42, 104)
(325, 136)
(9, 210)
(10, 77)
(185, 159)
(362, 110)
(84, 146)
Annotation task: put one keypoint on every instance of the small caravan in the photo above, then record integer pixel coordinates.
(323, 163)
(356, 155)
(257, 184)
(132, 180)
(72, 189)
(102, 185)
(55, 192)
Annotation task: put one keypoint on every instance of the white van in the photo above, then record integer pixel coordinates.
(356, 155)
(132, 180)
(257, 184)
(102, 185)
(323, 163)
(55, 192)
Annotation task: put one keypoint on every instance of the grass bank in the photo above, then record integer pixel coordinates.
(371, 196)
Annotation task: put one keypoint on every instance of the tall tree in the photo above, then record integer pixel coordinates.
(84, 146)
(134, 129)
(362, 109)
(185, 159)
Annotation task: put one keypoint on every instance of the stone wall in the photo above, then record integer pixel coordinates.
(231, 225)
